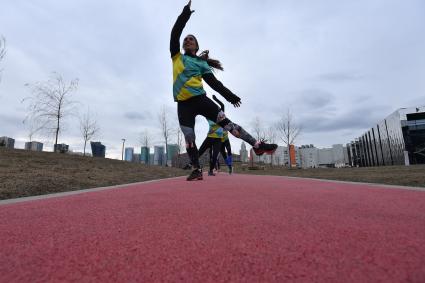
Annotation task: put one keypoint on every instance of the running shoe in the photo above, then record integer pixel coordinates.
(195, 175)
(263, 147)
(211, 173)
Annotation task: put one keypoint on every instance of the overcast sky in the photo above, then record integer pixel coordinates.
(339, 65)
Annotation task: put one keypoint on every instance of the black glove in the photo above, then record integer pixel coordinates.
(234, 99)
(187, 8)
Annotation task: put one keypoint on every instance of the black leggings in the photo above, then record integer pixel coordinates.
(225, 146)
(201, 105)
(214, 144)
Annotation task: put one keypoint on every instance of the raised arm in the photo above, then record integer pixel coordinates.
(178, 27)
(216, 85)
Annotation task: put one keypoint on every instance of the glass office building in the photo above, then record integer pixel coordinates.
(414, 132)
(158, 155)
(128, 155)
(98, 149)
(144, 154)
(399, 139)
(34, 146)
(61, 148)
(172, 151)
(7, 142)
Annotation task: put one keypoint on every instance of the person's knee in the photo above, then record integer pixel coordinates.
(221, 117)
(189, 136)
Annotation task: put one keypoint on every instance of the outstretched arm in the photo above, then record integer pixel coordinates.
(178, 27)
(216, 85)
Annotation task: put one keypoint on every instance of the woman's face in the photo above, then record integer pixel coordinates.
(190, 45)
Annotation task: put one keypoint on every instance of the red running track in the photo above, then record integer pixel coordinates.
(225, 228)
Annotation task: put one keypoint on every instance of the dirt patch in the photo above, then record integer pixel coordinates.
(25, 173)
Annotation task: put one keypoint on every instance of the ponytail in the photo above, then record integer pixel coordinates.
(211, 62)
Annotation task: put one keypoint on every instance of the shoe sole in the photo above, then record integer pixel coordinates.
(265, 152)
(195, 179)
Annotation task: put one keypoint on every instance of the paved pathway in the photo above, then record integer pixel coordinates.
(225, 228)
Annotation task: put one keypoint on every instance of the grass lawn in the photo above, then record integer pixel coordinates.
(25, 173)
(392, 175)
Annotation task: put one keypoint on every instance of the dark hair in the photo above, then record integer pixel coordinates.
(211, 62)
(205, 56)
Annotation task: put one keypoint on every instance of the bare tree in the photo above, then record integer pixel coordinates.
(271, 136)
(180, 143)
(33, 126)
(165, 124)
(180, 140)
(145, 138)
(2, 51)
(258, 131)
(257, 128)
(288, 130)
(51, 103)
(88, 128)
(145, 141)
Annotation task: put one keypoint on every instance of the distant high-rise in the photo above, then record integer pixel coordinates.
(172, 151)
(144, 155)
(61, 148)
(244, 153)
(312, 157)
(34, 146)
(158, 155)
(7, 142)
(129, 151)
(98, 149)
(136, 158)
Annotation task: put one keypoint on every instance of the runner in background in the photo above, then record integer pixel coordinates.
(225, 144)
(212, 142)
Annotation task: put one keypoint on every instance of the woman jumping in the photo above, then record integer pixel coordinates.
(188, 71)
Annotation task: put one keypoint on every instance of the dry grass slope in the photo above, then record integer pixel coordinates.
(24, 173)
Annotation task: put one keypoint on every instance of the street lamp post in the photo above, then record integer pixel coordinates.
(122, 152)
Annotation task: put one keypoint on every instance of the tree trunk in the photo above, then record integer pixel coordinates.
(57, 127)
(57, 133)
(166, 153)
(85, 143)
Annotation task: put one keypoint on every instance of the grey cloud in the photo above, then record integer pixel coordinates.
(316, 98)
(10, 125)
(340, 77)
(416, 102)
(353, 120)
(136, 116)
(8, 119)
